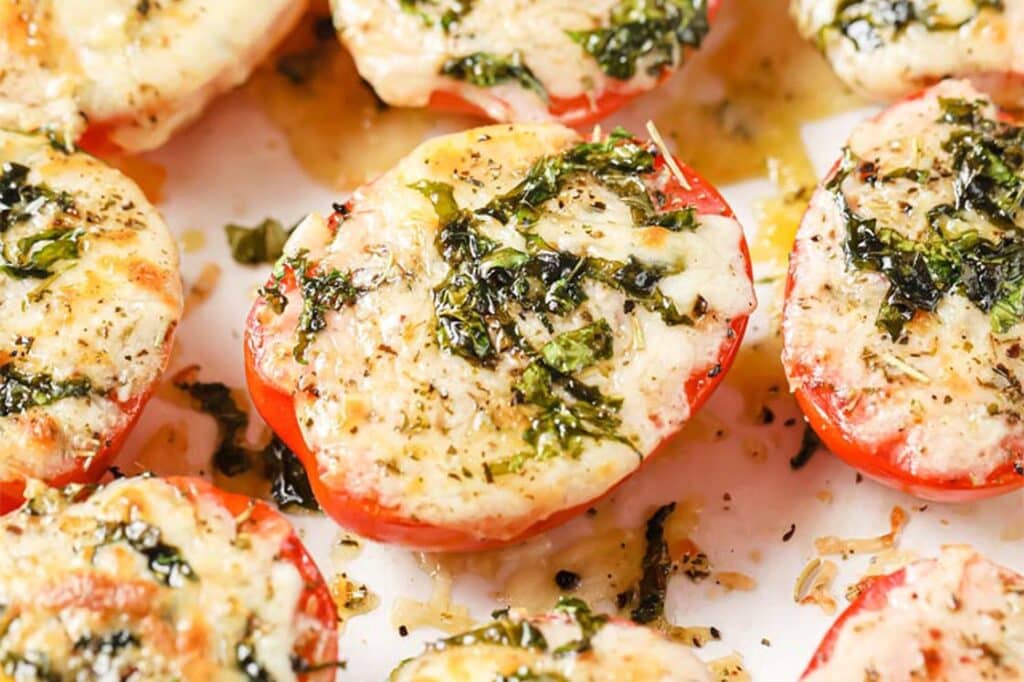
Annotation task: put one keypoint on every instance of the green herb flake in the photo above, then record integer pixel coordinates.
(165, 561)
(485, 70)
(321, 292)
(651, 33)
(21, 391)
(262, 243)
(579, 349)
(589, 623)
(657, 565)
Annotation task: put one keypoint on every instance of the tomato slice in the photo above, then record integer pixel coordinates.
(829, 414)
(578, 112)
(873, 597)
(84, 470)
(317, 644)
(367, 517)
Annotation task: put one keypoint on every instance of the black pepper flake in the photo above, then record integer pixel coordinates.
(715, 633)
(629, 306)
(860, 477)
(567, 581)
(766, 416)
(403, 631)
(714, 371)
(788, 535)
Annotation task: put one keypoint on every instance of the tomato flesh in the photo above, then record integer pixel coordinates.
(874, 597)
(85, 470)
(318, 644)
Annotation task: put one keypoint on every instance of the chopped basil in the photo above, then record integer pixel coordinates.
(37, 254)
(20, 391)
(165, 561)
(230, 457)
(289, 483)
(321, 292)
(262, 243)
(578, 349)
(448, 17)
(648, 33)
(486, 70)
(657, 564)
(503, 631)
(589, 622)
(33, 256)
(870, 24)
(987, 167)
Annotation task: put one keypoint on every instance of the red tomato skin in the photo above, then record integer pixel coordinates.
(578, 112)
(824, 413)
(366, 517)
(88, 470)
(315, 602)
(873, 598)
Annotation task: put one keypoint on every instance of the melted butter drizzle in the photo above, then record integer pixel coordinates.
(338, 130)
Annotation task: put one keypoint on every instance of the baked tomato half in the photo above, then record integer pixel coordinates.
(573, 61)
(90, 297)
(497, 331)
(887, 51)
(160, 579)
(569, 644)
(128, 75)
(902, 321)
(957, 617)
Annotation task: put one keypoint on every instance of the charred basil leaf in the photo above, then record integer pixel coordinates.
(249, 664)
(578, 349)
(809, 444)
(20, 391)
(263, 243)
(33, 256)
(37, 254)
(230, 457)
(657, 565)
(485, 70)
(524, 674)
(648, 33)
(289, 483)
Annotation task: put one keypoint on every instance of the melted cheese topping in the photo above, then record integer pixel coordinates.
(69, 583)
(621, 652)
(107, 316)
(393, 417)
(401, 56)
(958, 617)
(140, 69)
(935, 395)
(984, 48)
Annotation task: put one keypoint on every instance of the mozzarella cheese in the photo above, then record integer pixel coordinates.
(393, 417)
(103, 313)
(972, 39)
(942, 395)
(401, 53)
(84, 593)
(139, 69)
(620, 652)
(958, 617)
